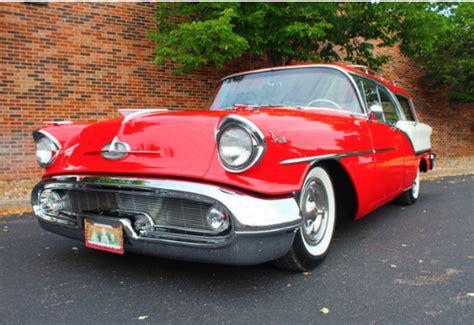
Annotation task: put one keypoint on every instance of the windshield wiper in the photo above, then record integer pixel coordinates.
(277, 106)
(255, 106)
(239, 105)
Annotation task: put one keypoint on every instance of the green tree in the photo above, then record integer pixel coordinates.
(441, 39)
(195, 34)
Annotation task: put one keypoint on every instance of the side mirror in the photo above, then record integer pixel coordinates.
(376, 113)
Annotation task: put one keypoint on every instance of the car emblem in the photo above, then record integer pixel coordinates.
(115, 150)
(278, 139)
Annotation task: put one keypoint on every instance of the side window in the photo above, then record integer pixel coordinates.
(406, 107)
(370, 92)
(388, 106)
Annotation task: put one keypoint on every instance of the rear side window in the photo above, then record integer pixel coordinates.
(369, 89)
(388, 106)
(406, 107)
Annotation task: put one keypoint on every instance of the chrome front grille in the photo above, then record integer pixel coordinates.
(168, 213)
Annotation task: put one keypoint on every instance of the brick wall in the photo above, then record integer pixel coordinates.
(83, 61)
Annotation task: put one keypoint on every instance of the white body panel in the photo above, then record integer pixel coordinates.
(419, 134)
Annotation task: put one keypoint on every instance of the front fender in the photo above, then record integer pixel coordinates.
(293, 135)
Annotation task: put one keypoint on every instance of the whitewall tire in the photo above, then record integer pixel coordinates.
(318, 208)
(410, 196)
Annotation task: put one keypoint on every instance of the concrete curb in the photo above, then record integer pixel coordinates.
(14, 204)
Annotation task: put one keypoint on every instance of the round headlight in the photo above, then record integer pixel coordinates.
(235, 147)
(240, 144)
(46, 149)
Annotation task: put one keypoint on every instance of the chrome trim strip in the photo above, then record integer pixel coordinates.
(37, 135)
(130, 151)
(240, 119)
(127, 118)
(344, 71)
(260, 144)
(313, 159)
(291, 227)
(420, 152)
(384, 150)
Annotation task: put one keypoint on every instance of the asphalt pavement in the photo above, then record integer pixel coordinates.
(398, 265)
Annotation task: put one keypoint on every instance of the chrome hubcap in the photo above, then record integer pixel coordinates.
(315, 212)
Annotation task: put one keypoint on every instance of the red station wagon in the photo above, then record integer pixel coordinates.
(258, 176)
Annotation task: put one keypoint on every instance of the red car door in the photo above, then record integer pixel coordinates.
(387, 143)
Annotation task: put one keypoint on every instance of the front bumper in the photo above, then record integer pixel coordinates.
(262, 229)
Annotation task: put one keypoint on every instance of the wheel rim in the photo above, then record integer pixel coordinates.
(315, 210)
(415, 189)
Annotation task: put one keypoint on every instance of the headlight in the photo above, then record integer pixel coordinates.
(240, 144)
(47, 148)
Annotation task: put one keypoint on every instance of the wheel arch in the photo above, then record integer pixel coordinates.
(423, 165)
(346, 198)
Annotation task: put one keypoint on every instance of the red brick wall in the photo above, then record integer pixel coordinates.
(453, 124)
(84, 61)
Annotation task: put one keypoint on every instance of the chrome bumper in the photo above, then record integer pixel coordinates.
(263, 229)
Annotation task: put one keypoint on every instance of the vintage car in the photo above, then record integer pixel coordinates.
(260, 175)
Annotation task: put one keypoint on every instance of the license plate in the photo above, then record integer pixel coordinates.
(106, 237)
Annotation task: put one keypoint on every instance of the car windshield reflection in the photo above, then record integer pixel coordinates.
(306, 88)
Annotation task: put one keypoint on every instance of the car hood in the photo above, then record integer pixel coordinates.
(169, 143)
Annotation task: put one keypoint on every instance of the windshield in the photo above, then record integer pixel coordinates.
(298, 87)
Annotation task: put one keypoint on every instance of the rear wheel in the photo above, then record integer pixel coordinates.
(410, 196)
(318, 209)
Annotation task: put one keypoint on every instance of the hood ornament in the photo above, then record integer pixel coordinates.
(115, 150)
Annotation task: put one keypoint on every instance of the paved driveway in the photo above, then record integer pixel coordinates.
(398, 265)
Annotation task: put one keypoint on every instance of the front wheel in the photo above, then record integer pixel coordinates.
(410, 196)
(318, 209)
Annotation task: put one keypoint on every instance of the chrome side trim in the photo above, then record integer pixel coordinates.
(42, 133)
(150, 152)
(313, 159)
(383, 150)
(420, 152)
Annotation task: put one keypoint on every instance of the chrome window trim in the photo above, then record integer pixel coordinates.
(254, 132)
(38, 134)
(398, 111)
(312, 66)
